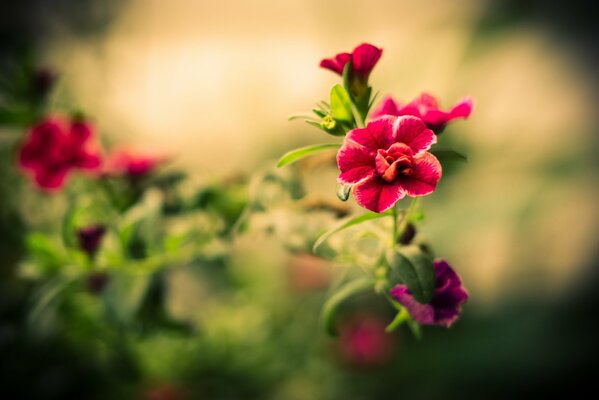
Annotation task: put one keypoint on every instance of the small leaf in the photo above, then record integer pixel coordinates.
(341, 104)
(449, 155)
(346, 224)
(415, 269)
(331, 306)
(300, 116)
(319, 113)
(297, 154)
(343, 191)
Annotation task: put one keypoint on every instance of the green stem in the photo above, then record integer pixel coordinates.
(406, 219)
(357, 116)
(401, 317)
(395, 234)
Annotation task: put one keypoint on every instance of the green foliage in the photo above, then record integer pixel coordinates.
(347, 223)
(297, 154)
(414, 267)
(332, 305)
(341, 105)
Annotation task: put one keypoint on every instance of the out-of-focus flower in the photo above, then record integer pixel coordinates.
(308, 272)
(363, 342)
(363, 59)
(90, 238)
(426, 107)
(96, 282)
(388, 160)
(54, 147)
(448, 297)
(165, 391)
(131, 165)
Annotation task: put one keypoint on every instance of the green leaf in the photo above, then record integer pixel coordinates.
(346, 224)
(341, 104)
(415, 269)
(449, 155)
(343, 191)
(331, 306)
(295, 155)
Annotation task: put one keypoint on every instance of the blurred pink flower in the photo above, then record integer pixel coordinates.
(54, 147)
(448, 297)
(426, 107)
(363, 342)
(130, 164)
(388, 160)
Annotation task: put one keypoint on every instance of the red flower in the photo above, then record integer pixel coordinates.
(388, 160)
(131, 165)
(448, 297)
(363, 58)
(364, 343)
(426, 107)
(54, 147)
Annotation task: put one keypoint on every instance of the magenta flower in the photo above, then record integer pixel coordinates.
(90, 238)
(363, 58)
(364, 343)
(56, 146)
(448, 297)
(426, 107)
(388, 160)
(131, 165)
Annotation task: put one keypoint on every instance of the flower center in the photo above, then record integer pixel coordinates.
(396, 161)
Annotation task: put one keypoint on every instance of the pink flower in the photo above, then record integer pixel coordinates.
(363, 342)
(131, 165)
(388, 160)
(363, 58)
(448, 297)
(56, 146)
(426, 107)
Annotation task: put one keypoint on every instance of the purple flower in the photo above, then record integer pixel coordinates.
(90, 238)
(448, 297)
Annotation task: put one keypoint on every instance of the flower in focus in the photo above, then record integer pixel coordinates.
(131, 165)
(363, 59)
(388, 160)
(448, 297)
(363, 342)
(90, 237)
(426, 107)
(56, 146)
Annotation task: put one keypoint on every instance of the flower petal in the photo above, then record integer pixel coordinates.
(336, 64)
(422, 313)
(387, 106)
(355, 162)
(378, 134)
(377, 195)
(427, 173)
(364, 58)
(413, 132)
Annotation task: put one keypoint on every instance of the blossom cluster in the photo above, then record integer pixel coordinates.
(387, 154)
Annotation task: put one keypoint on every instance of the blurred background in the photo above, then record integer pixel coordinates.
(211, 86)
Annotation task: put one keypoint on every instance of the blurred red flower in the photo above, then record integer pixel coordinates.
(426, 107)
(131, 164)
(363, 342)
(54, 147)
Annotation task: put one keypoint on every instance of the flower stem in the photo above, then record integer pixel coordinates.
(401, 228)
(357, 116)
(401, 317)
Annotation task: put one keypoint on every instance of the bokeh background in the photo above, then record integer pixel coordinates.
(212, 85)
